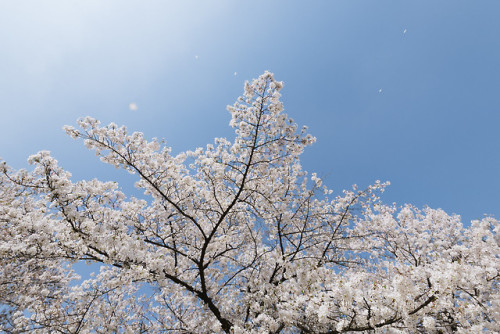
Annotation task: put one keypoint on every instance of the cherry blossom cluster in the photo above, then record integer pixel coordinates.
(233, 238)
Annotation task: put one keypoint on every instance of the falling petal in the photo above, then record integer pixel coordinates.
(132, 106)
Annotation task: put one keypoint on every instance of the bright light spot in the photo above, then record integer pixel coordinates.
(404, 31)
(380, 90)
(196, 57)
(235, 73)
(132, 106)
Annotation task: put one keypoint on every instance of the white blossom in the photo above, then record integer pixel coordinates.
(236, 238)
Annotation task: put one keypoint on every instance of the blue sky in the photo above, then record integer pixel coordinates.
(405, 91)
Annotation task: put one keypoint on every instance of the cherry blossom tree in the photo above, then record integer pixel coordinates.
(233, 238)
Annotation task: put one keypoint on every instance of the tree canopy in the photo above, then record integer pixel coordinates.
(235, 237)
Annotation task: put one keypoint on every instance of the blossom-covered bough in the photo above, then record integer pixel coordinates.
(233, 238)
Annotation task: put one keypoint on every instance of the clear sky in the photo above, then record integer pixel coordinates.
(405, 91)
